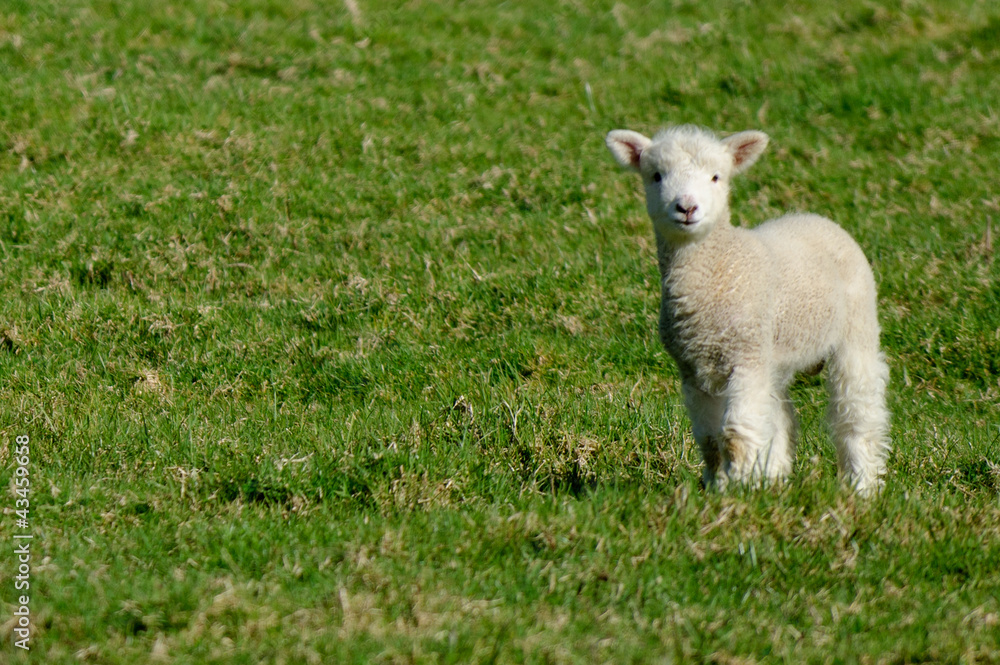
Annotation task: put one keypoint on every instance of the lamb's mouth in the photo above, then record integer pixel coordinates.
(670, 221)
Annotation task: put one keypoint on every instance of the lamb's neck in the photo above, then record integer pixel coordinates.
(672, 254)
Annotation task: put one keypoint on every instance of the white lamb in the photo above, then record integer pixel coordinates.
(743, 310)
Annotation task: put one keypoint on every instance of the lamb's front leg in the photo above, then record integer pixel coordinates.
(706, 411)
(756, 431)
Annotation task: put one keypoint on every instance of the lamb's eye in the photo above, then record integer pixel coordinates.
(715, 178)
(657, 177)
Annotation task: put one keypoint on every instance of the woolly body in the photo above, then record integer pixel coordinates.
(743, 311)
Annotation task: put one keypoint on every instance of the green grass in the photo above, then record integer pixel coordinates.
(334, 332)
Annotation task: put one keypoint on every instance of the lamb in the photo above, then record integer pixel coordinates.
(743, 310)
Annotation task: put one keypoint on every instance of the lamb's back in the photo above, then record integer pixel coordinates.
(821, 275)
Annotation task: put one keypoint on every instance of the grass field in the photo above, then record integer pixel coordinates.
(332, 326)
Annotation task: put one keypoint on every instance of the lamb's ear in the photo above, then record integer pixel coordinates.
(745, 147)
(627, 146)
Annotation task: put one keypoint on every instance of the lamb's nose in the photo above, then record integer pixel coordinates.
(688, 210)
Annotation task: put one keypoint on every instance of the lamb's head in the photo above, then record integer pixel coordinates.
(686, 172)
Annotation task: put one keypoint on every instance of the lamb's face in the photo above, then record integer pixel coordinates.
(686, 172)
(687, 183)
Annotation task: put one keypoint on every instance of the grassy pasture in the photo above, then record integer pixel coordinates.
(332, 325)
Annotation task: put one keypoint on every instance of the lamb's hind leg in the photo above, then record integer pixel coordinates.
(858, 415)
(782, 451)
